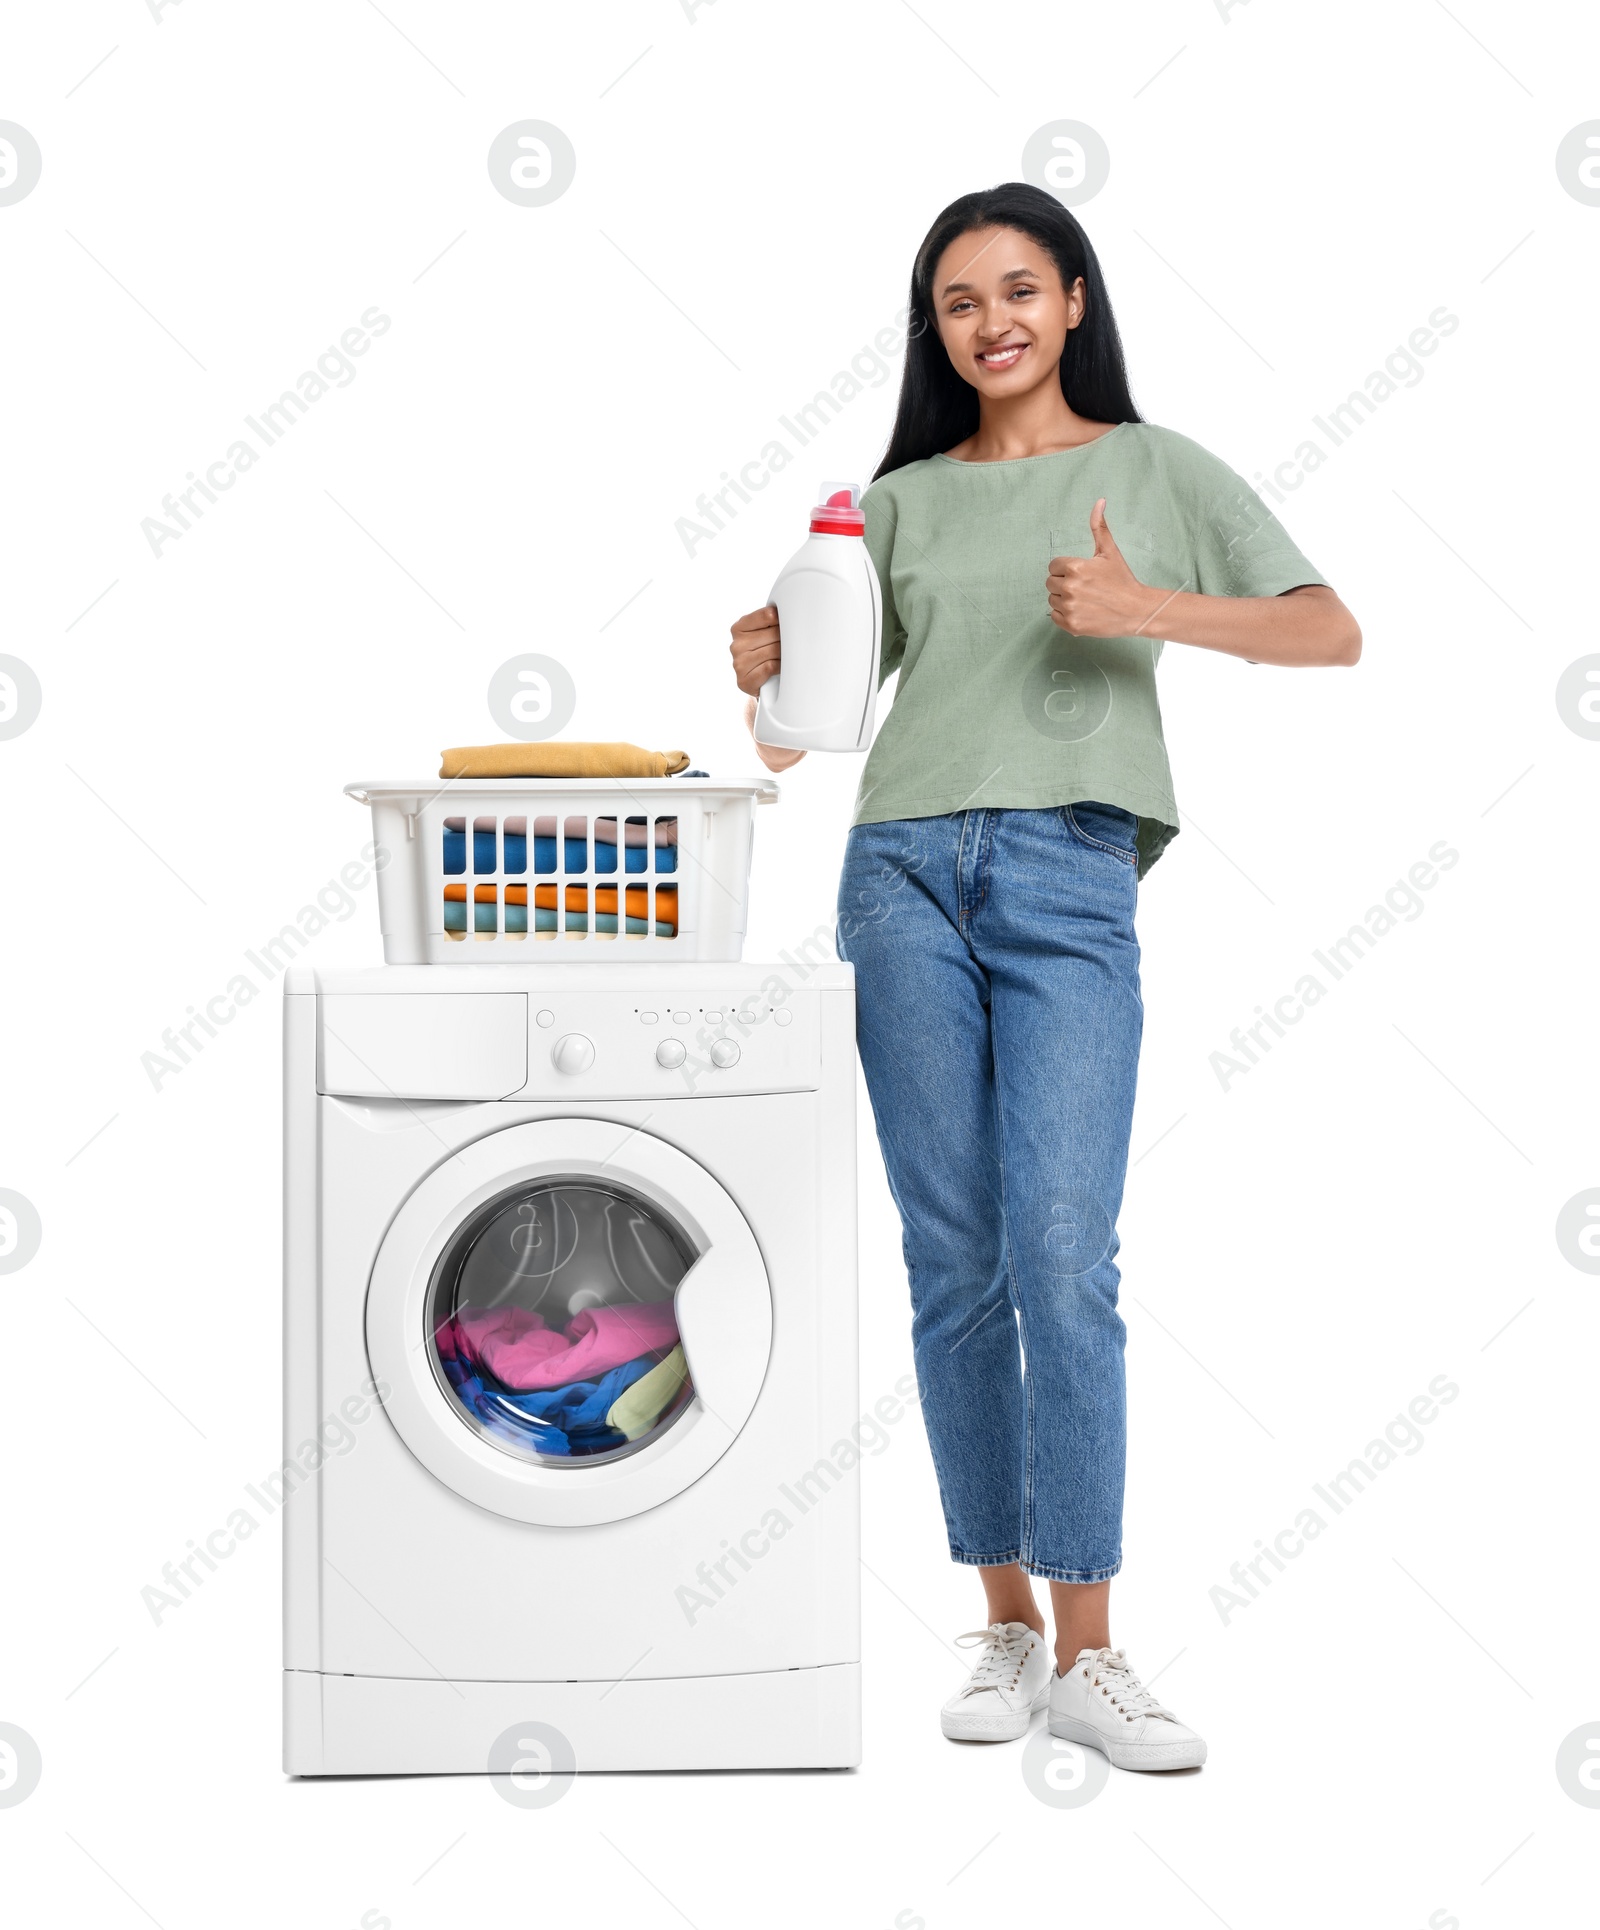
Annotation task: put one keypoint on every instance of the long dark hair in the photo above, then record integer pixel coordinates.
(937, 409)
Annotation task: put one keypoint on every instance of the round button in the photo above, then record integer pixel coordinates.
(670, 1053)
(545, 1018)
(648, 1018)
(725, 1052)
(572, 1052)
(783, 1018)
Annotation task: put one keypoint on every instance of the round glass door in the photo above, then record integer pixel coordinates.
(535, 1261)
(552, 1325)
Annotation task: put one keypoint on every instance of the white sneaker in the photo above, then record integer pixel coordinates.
(1011, 1680)
(1101, 1702)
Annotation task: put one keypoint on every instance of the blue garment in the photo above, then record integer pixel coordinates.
(575, 855)
(583, 1403)
(635, 857)
(455, 916)
(544, 919)
(1006, 937)
(562, 1421)
(483, 852)
(504, 1422)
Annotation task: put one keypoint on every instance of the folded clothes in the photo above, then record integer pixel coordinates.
(524, 1354)
(483, 921)
(636, 830)
(605, 924)
(455, 919)
(635, 916)
(638, 900)
(483, 907)
(645, 1400)
(483, 849)
(634, 927)
(559, 760)
(574, 900)
(572, 856)
(636, 843)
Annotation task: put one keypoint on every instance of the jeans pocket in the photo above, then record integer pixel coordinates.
(1104, 827)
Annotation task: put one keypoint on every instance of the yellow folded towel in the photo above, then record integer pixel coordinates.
(560, 760)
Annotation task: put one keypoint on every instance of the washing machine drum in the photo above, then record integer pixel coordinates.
(570, 1320)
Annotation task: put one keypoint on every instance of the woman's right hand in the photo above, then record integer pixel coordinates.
(755, 658)
(755, 649)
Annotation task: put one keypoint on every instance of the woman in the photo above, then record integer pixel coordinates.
(1033, 536)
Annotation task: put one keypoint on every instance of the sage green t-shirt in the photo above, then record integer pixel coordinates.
(996, 707)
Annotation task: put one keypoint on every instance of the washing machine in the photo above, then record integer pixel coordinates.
(481, 1168)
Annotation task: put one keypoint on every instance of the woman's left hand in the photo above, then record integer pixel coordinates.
(1098, 596)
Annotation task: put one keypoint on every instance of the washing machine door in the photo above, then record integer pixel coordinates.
(570, 1321)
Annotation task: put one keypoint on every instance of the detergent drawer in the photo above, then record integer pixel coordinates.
(472, 1045)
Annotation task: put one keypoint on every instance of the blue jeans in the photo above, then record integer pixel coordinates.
(999, 1017)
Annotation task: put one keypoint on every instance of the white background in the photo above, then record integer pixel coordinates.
(1293, 190)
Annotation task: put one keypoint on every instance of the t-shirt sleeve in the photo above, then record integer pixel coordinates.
(1239, 547)
(878, 507)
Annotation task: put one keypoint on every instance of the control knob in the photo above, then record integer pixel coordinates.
(572, 1052)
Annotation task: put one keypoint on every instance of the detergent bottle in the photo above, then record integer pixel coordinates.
(830, 618)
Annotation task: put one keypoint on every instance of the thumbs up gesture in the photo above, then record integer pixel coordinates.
(1097, 596)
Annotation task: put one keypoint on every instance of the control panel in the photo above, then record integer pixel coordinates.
(599, 1044)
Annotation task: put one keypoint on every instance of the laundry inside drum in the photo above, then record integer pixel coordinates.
(552, 1322)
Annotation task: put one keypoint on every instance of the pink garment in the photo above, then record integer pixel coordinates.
(524, 1354)
(605, 831)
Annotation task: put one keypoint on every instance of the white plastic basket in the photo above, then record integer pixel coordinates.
(594, 870)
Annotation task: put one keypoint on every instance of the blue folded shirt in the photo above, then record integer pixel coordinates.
(574, 854)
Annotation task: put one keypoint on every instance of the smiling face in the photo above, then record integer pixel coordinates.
(1002, 312)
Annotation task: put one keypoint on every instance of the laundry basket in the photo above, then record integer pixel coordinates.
(599, 870)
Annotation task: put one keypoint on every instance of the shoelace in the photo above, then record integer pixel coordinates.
(1000, 1665)
(1109, 1670)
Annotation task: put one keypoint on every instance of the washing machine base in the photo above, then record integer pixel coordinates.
(363, 1725)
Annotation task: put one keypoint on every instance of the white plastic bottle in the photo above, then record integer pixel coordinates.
(830, 619)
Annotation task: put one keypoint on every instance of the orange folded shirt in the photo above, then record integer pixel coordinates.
(605, 899)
